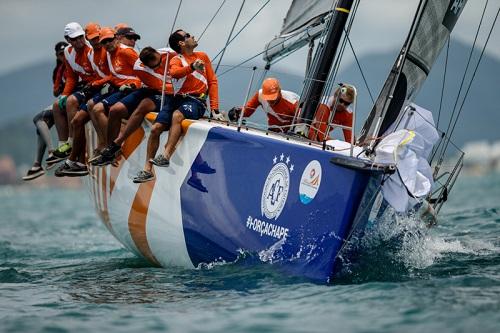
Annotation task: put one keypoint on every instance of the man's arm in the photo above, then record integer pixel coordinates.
(213, 85)
(252, 105)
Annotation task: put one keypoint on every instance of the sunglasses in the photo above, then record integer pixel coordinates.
(74, 39)
(134, 38)
(107, 41)
(343, 101)
(187, 36)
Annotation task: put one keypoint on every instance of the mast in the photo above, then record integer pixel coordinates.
(326, 55)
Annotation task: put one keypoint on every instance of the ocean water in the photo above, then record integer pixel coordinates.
(61, 271)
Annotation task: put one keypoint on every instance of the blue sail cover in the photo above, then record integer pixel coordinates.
(433, 25)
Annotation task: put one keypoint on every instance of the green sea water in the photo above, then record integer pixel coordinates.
(61, 271)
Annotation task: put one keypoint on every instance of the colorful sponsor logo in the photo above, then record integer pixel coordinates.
(310, 182)
(275, 191)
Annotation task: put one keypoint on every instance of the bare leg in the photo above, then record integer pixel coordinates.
(153, 143)
(174, 134)
(116, 114)
(79, 141)
(100, 122)
(135, 120)
(61, 122)
(71, 109)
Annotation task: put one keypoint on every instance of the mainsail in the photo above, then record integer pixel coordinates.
(433, 24)
(304, 22)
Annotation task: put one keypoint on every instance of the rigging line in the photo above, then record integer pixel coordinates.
(253, 57)
(466, 68)
(242, 28)
(176, 15)
(475, 71)
(230, 35)
(213, 17)
(444, 81)
(359, 66)
(164, 79)
(436, 148)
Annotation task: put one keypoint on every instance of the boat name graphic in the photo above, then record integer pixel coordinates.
(275, 191)
(266, 228)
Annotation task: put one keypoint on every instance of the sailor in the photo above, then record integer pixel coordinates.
(78, 72)
(127, 36)
(45, 119)
(339, 104)
(150, 68)
(121, 60)
(122, 81)
(192, 77)
(279, 105)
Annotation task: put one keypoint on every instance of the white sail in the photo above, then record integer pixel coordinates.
(304, 22)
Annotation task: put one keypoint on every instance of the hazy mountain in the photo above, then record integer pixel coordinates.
(26, 91)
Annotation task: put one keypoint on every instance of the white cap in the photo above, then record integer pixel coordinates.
(73, 30)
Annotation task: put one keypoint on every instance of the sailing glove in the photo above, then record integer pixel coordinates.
(127, 87)
(105, 89)
(216, 115)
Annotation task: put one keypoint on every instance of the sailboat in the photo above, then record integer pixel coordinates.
(232, 189)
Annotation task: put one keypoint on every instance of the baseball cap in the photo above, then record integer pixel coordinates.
(270, 89)
(121, 25)
(92, 30)
(106, 33)
(73, 30)
(129, 32)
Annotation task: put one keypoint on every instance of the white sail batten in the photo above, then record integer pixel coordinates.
(305, 21)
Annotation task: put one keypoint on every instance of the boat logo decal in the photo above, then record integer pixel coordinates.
(276, 187)
(310, 182)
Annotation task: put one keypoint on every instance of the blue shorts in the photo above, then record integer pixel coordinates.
(82, 99)
(132, 100)
(190, 107)
(114, 98)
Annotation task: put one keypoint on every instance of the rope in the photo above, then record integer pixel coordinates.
(213, 17)
(444, 81)
(455, 119)
(162, 101)
(475, 71)
(244, 26)
(229, 37)
(359, 66)
(465, 73)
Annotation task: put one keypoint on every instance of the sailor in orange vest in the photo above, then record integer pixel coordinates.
(280, 105)
(150, 68)
(193, 77)
(127, 36)
(78, 72)
(121, 60)
(339, 102)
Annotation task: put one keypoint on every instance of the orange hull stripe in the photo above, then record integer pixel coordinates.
(137, 220)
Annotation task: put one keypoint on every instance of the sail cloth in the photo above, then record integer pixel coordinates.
(408, 147)
(432, 28)
(304, 22)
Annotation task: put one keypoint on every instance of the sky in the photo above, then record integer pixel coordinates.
(30, 28)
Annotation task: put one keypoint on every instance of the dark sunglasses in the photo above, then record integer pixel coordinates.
(187, 36)
(134, 38)
(342, 101)
(74, 38)
(107, 40)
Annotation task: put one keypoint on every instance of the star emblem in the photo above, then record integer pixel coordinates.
(287, 159)
(275, 159)
(281, 157)
(291, 167)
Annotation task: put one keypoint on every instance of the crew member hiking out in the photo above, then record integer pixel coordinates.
(193, 77)
(45, 120)
(150, 68)
(279, 105)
